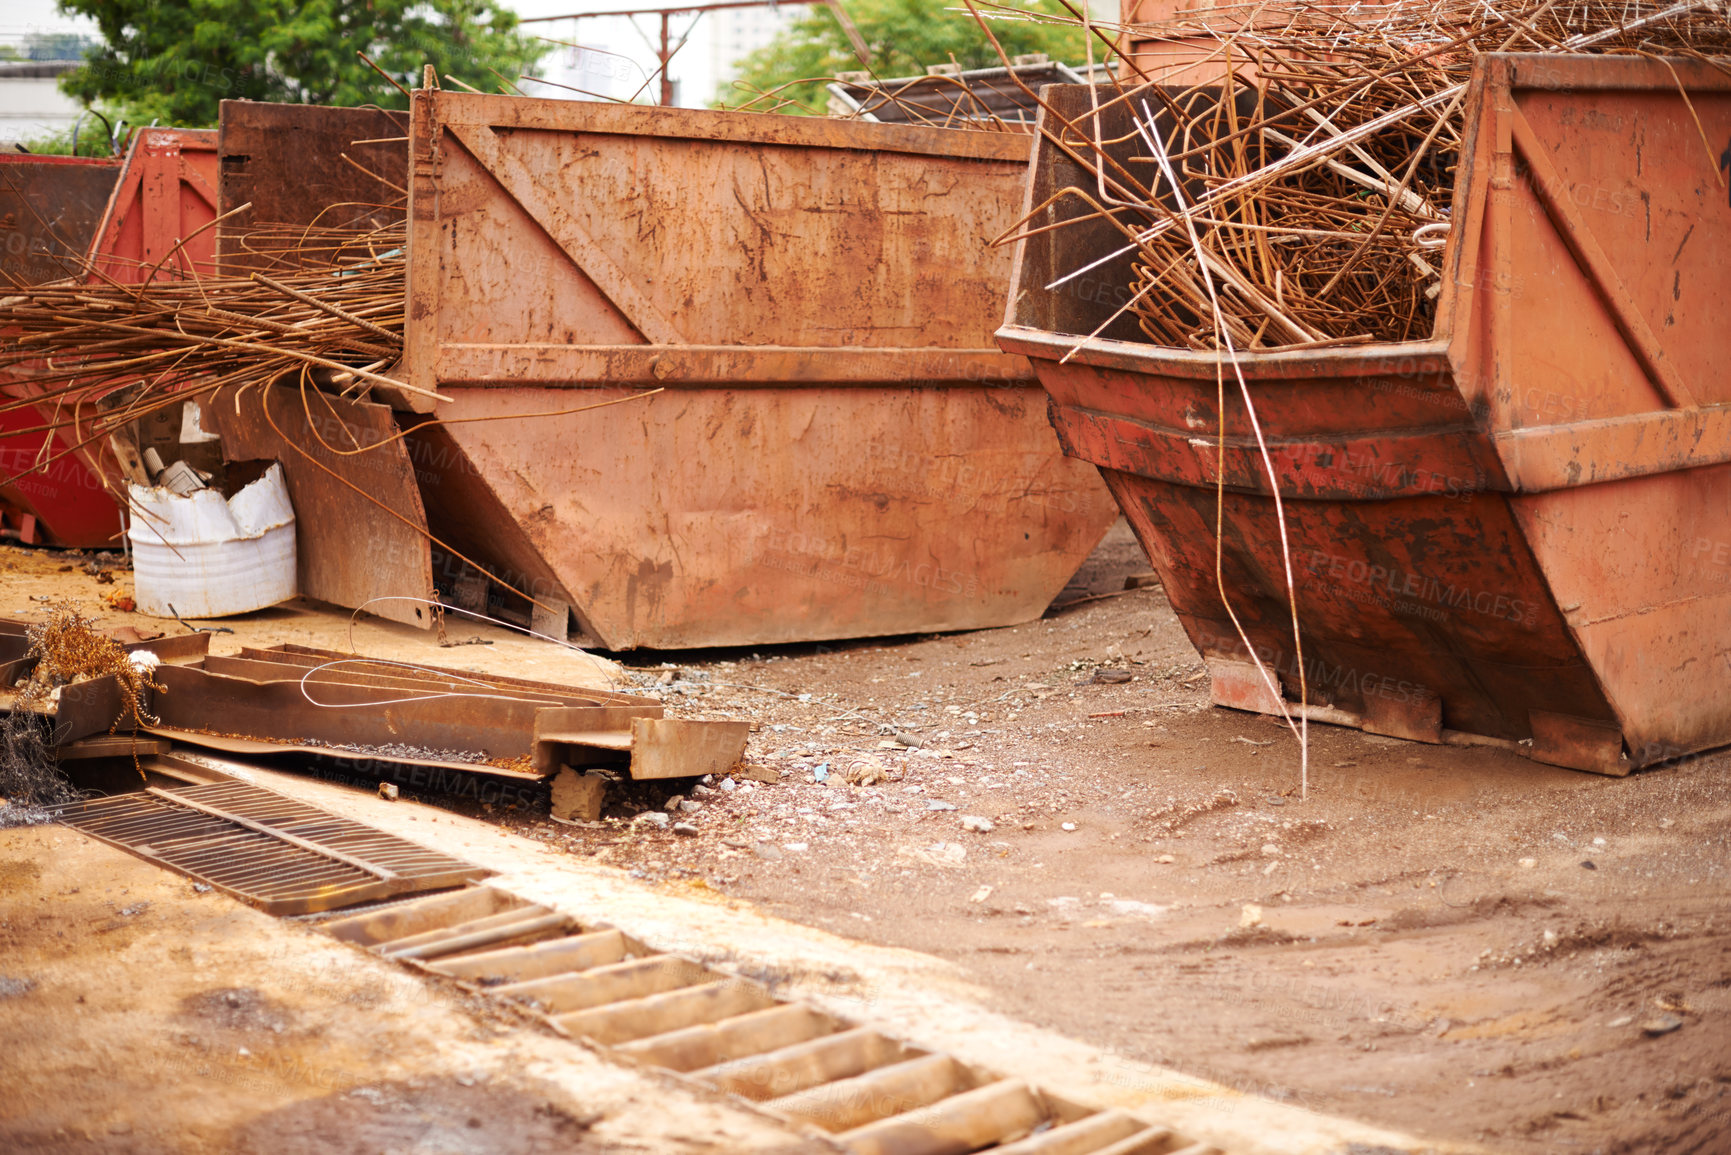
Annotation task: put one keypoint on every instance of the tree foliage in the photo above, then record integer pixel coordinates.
(174, 61)
(904, 36)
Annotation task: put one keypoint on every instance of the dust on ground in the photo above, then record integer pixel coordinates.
(99, 585)
(141, 1014)
(1454, 942)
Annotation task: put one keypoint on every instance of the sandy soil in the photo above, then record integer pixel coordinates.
(142, 1015)
(1454, 942)
(93, 582)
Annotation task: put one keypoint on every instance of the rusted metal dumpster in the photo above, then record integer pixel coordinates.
(1158, 46)
(97, 219)
(836, 449)
(50, 207)
(283, 164)
(363, 532)
(156, 223)
(1514, 531)
(949, 96)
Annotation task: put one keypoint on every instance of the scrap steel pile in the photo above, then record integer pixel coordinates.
(63, 651)
(1304, 199)
(93, 357)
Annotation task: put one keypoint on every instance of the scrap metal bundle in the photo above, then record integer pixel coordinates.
(1304, 198)
(93, 357)
(51, 657)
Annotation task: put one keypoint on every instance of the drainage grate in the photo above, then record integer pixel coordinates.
(862, 1089)
(280, 855)
(872, 1094)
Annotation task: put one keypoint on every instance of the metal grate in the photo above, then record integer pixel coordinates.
(869, 1093)
(280, 855)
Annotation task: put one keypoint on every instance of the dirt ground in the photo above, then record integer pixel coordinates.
(1454, 942)
(93, 581)
(141, 1014)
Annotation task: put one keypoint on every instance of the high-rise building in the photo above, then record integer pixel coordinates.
(736, 33)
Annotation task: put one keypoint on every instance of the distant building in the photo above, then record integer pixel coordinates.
(31, 103)
(608, 58)
(736, 33)
(33, 58)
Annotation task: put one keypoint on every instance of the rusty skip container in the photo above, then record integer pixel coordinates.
(837, 449)
(50, 207)
(1157, 45)
(1518, 530)
(104, 220)
(361, 531)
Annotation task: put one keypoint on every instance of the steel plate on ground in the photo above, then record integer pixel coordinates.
(280, 855)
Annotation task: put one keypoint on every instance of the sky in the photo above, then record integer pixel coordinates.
(25, 15)
(692, 64)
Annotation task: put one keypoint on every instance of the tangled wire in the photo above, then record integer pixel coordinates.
(67, 650)
(1301, 194)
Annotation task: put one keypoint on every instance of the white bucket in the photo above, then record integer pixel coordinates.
(209, 557)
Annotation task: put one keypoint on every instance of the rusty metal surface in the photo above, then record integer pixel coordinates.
(1613, 349)
(998, 95)
(360, 527)
(578, 735)
(66, 500)
(470, 521)
(276, 853)
(452, 777)
(838, 451)
(285, 160)
(342, 716)
(706, 518)
(152, 208)
(1169, 55)
(678, 748)
(94, 706)
(165, 195)
(316, 702)
(306, 657)
(1521, 521)
(49, 210)
(299, 700)
(180, 647)
(487, 713)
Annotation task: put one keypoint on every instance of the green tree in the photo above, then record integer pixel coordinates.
(903, 36)
(174, 61)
